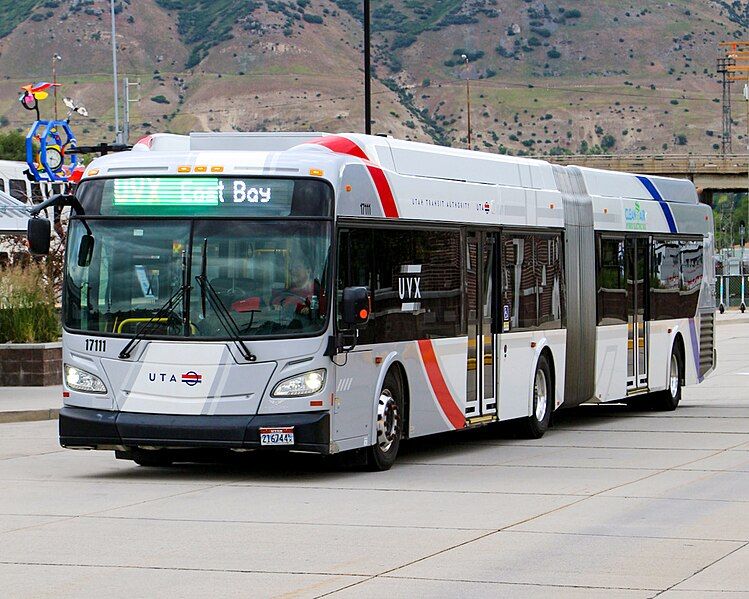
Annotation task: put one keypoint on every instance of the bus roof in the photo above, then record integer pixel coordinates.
(294, 154)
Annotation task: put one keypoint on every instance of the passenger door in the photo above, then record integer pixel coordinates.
(517, 319)
(355, 370)
(636, 265)
(481, 367)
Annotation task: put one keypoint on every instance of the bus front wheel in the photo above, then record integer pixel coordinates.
(389, 424)
(535, 425)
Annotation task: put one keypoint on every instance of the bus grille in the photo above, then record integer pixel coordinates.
(707, 339)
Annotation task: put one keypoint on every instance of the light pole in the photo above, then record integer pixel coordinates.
(117, 138)
(367, 71)
(468, 97)
(55, 59)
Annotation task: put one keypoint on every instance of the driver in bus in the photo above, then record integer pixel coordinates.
(302, 293)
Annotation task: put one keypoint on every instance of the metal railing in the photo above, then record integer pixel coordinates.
(732, 291)
(660, 163)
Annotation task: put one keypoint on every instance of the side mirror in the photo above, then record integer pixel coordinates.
(38, 232)
(357, 307)
(85, 250)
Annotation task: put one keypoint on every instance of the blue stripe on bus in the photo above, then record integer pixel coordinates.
(664, 205)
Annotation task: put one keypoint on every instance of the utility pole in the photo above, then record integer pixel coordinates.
(367, 70)
(117, 132)
(739, 71)
(468, 97)
(128, 100)
(723, 64)
(55, 58)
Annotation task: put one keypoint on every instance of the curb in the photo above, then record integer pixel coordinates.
(29, 415)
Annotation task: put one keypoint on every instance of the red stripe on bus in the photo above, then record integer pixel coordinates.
(437, 381)
(383, 189)
(343, 145)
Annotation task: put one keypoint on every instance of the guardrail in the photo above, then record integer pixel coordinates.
(731, 291)
(660, 163)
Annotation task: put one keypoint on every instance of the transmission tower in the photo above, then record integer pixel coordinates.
(723, 69)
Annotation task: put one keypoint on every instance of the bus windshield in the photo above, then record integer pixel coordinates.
(270, 275)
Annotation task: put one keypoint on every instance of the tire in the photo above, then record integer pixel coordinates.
(668, 399)
(535, 425)
(389, 425)
(149, 459)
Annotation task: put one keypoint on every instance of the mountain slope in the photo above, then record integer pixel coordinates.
(546, 77)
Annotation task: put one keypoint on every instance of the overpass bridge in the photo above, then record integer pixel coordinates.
(710, 173)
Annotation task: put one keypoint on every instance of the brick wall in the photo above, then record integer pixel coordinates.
(30, 364)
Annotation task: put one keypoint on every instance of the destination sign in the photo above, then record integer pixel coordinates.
(200, 195)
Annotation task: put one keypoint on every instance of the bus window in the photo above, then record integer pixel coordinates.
(519, 280)
(665, 279)
(355, 268)
(415, 281)
(612, 289)
(549, 280)
(692, 269)
(36, 193)
(18, 189)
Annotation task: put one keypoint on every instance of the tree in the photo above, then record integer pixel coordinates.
(12, 146)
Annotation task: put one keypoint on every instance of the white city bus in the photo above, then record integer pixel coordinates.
(15, 182)
(328, 293)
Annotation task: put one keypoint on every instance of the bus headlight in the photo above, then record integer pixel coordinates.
(301, 385)
(80, 380)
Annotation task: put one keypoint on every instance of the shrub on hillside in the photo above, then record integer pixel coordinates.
(315, 19)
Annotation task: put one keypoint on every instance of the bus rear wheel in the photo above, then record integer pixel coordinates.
(535, 425)
(668, 399)
(389, 425)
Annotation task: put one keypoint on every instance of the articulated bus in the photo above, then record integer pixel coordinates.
(329, 293)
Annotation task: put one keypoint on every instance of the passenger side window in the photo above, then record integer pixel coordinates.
(550, 280)
(612, 282)
(414, 278)
(519, 281)
(355, 269)
(677, 267)
(18, 189)
(692, 269)
(665, 279)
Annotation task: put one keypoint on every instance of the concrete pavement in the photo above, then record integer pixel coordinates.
(611, 502)
(24, 404)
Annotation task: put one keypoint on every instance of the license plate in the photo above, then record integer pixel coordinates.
(277, 436)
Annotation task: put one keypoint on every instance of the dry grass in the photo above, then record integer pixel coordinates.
(27, 305)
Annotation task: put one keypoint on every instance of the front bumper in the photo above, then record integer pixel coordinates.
(87, 428)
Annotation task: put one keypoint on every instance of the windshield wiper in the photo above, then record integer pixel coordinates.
(224, 317)
(161, 313)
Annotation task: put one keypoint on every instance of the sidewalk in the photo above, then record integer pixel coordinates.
(733, 316)
(23, 404)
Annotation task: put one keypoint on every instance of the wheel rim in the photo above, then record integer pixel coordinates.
(540, 395)
(388, 420)
(674, 376)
